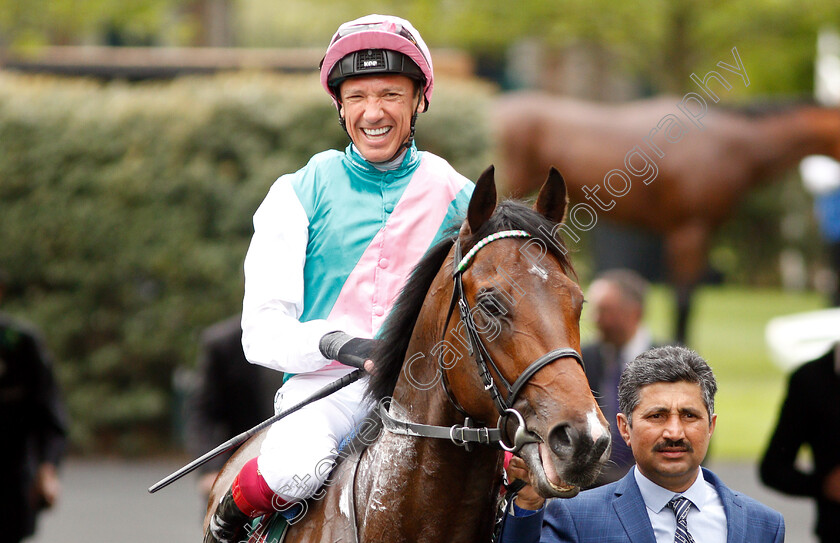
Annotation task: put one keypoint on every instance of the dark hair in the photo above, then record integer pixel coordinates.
(669, 364)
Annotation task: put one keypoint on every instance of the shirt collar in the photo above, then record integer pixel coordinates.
(656, 497)
(409, 159)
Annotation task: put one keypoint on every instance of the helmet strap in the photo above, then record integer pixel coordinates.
(410, 140)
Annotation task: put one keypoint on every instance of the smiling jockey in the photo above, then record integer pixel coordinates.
(333, 244)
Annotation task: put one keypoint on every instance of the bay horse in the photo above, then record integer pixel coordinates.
(508, 356)
(682, 177)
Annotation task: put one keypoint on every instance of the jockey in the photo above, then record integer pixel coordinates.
(333, 244)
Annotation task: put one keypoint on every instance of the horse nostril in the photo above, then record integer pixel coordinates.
(601, 446)
(561, 439)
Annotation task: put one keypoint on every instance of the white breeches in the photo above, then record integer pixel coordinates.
(300, 450)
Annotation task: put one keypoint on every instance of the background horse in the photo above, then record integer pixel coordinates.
(525, 316)
(682, 177)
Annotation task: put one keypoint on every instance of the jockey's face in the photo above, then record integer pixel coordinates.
(377, 110)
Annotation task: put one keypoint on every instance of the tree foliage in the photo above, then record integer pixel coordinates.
(658, 42)
(27, 24)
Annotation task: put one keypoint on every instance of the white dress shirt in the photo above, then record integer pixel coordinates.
(706, 519)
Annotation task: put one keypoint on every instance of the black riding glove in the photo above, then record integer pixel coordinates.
(349, 350)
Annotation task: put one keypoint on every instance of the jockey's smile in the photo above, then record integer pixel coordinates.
(377, 111)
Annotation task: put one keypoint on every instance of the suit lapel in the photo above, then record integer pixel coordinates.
(736, 517)
(631, 511)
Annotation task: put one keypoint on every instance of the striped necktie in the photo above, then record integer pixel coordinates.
(681, 505)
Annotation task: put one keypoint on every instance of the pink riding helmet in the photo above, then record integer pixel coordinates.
(371, 33)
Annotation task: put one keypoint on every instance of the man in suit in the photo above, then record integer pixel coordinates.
(617, 301)
(666, 397)
(810, 415)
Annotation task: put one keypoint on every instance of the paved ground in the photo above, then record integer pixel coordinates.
(107, 501)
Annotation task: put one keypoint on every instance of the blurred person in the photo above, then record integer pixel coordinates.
(230, 396)
(821, 176)
(333, 244)
(617, 301)
(810, 416)
(33, 424)
(667, 417)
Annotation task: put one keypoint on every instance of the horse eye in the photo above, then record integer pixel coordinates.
(491, 303)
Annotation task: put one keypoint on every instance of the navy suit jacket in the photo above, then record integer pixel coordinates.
(616, 513)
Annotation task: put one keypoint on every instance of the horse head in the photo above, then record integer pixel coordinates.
(525, 311)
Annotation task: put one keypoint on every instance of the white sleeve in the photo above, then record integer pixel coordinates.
(272, 335)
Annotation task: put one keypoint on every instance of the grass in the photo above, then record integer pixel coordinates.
(727, 329)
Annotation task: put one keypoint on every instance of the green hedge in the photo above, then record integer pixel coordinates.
(126, 214)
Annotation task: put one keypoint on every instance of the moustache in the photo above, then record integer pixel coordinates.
(669, 444)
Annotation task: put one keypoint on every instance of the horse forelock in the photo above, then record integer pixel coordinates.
(515, 215)
(399, 327)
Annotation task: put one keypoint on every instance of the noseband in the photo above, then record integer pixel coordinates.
(461, 435)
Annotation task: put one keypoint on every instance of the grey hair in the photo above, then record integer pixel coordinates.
(669, 364)
(632, 286)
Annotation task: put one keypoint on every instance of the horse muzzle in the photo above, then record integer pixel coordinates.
(566, 460)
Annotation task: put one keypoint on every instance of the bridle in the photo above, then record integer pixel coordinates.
(463, 435)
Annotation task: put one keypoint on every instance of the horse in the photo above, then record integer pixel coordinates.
(658, 165)
(429, 468)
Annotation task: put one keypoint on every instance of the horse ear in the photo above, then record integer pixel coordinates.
(553, 198)
(483, 201)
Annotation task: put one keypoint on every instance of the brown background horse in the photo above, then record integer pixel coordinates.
(404, 488)
(679, 177)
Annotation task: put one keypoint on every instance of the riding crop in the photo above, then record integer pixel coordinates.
(246, 435)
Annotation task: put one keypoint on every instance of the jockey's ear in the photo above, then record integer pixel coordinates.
(553, 198)
(483, 201)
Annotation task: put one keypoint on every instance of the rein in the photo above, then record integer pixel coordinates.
(464, 435)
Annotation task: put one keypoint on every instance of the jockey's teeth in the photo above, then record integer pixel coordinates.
(376, 131)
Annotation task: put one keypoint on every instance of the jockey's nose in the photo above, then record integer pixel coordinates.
(373, 110)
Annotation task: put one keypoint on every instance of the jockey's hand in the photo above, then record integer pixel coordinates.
(527, 498)
(349, 350)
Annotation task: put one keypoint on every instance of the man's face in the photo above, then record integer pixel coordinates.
(616, 317)
(670, 433)
(377, 110)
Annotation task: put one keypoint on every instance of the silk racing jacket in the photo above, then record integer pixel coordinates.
(333, 245)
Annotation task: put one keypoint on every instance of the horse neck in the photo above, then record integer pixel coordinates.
(459, 487)
(778, 142)
(458, 484)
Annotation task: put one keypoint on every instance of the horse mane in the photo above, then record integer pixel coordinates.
(398, 328)
(768, 107)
